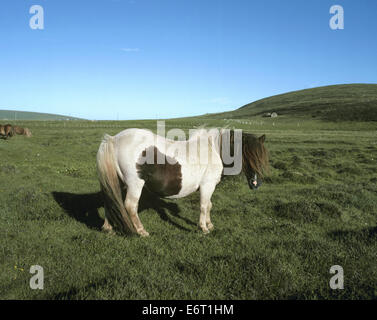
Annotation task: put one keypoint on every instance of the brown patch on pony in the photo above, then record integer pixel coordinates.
(254, 154)
(162, 179)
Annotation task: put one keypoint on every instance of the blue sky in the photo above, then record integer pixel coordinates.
(137, 59)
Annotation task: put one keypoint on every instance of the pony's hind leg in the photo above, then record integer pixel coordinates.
(206, 192)
(131, 203)
(107, 227)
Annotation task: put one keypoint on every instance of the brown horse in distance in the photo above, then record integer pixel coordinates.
(9, 131)
(6, 131)
(22, 131)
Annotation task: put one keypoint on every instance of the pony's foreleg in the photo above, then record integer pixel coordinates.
(206, 192)
(131, 203)
(208, 217)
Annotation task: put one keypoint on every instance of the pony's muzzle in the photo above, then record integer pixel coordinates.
(254, 184)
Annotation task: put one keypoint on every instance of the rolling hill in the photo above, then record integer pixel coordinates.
(24, 115)
(350, 102)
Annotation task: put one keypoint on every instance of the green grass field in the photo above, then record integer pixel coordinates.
(317, 208)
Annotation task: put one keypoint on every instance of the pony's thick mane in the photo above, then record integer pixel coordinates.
(254, 154)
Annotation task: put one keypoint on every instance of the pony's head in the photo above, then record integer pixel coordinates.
(254, 159)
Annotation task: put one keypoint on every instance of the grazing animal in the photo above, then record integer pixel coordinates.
(22, 131)
(137, 158)
(2, 131)
(6, 131)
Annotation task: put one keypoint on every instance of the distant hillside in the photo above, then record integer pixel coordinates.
(351, 102)
(24, 115)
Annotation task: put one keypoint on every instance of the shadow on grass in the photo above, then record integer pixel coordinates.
(163, 208)
(84, 208)
(368, 235)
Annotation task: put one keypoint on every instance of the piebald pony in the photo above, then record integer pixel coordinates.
(137, 158)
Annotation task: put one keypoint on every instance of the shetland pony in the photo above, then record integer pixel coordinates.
(137, 158)
(6, 131)
(22, 131)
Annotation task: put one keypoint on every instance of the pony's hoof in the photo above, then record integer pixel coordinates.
(143, 233)
(203, 228)
(205, 231)
(210, 226)
(108, 231)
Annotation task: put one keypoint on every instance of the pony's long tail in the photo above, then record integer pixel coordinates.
(111, 187)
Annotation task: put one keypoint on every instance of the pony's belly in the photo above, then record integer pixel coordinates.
(192, 176)
(184, 192)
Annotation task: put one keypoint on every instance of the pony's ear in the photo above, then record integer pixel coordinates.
(262, 139)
